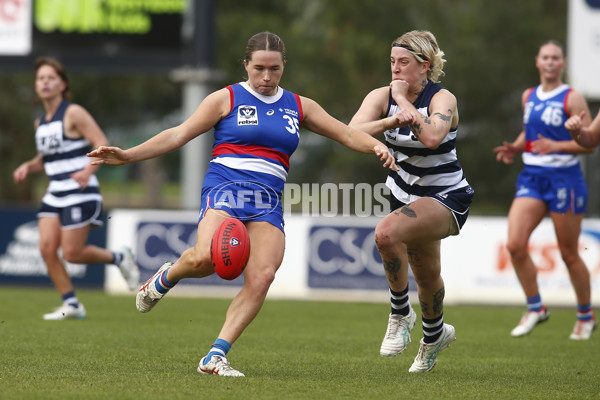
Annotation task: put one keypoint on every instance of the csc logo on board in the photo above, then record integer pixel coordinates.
(345, 258)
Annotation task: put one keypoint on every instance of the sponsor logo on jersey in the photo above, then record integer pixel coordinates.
(247, 115)
(291, 112)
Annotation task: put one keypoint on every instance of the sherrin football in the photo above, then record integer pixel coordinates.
(230, 248)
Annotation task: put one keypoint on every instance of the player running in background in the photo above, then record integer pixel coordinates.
(551, 182)
(256, 128)
(72, 203)
(430, 195)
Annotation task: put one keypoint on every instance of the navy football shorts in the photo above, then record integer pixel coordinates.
(75, 216)
(457, 201)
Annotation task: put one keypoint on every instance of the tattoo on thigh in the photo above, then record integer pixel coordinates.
(406, 210)
(391, 268)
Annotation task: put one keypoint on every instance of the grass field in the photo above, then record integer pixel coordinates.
(293, 350)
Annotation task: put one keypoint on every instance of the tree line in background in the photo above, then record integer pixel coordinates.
(337, 52)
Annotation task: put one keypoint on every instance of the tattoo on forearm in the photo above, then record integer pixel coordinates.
(416, 130)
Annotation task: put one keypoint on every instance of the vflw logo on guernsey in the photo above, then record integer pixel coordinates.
(247, 115)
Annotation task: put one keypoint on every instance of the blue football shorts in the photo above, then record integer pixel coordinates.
(244, 200)
(562, 192)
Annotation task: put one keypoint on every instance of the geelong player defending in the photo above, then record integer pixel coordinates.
(257, 128)
(430, 196)
(551, 182)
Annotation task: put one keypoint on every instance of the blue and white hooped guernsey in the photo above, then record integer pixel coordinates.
(422, 172)
(545, 113)
(62, 157)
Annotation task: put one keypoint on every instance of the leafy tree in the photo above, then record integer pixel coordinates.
(337, 52)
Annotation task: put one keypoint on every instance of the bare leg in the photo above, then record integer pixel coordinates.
(425, 264)
(195, 262)
(524, 216)
(50, 237)
(75, 249)
(267, 246)
(568, 227)
(413, 233)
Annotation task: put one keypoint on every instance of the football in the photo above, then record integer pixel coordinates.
(230, 248)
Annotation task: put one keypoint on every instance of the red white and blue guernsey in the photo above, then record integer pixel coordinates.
(545, 113)
(554, 178)
(251, 155)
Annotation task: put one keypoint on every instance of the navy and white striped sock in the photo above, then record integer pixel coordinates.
(117, 257)
(432, 328)
(70, 299)
(399, 302)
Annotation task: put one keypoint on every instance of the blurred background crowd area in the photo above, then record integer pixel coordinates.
(337, 52)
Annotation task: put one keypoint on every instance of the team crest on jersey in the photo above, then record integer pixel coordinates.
(247, 115)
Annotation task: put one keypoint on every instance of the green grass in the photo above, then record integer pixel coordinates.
(293, 350)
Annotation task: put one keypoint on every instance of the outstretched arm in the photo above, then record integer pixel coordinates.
(212, 109)
(319, 121)
(80, 123)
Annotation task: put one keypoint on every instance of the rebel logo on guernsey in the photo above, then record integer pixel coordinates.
(247, 115)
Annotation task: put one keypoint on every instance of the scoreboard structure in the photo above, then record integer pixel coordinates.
(107, 35)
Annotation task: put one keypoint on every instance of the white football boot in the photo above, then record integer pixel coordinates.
(129, 269)
(397, 336)
(218, 365)
(428, 352)
(583, 329)
(529, 321)
(66, 312)
(148, 296)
